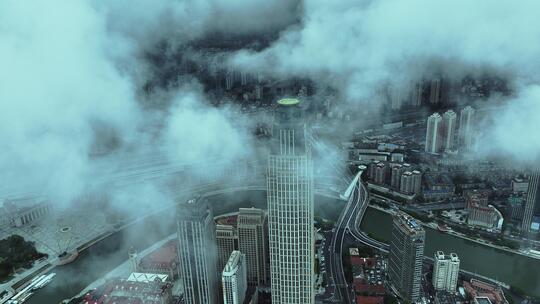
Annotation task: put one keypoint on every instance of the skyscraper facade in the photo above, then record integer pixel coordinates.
(435, 91)
(406, 183)
(290, 208)
(395, 176)
(380, 173)
(433, 133)
(253, 242)
(196, 249)
(417, 182)
(449, 127)
(466, 127)
(445, 271)
(417, 94)
(227, 242)
(233, 279)
(406, 256)
(532, 204)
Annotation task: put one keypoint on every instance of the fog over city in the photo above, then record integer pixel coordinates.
(71, 78)
(94, 92)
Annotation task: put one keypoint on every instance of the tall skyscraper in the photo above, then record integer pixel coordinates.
(227, 242)
(417, 181)
(395, 177)
(532, 203)
(433, 133)
(290, 208)
(435, 91)
(196, 249)
(406, 255)
(380, 173)
(449, 127)
(466, 127)
(253, 242)
(417, 94)
(395, 95)
(445, 271)
(407, 183)
(233, 279)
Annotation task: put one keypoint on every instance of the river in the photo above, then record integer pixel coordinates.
(112, 251)
(513, 269)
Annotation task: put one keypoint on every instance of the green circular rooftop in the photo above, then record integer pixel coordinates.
(288, 101)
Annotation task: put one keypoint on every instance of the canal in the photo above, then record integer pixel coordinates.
(112, 251)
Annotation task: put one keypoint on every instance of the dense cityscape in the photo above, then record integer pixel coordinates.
(219, 161)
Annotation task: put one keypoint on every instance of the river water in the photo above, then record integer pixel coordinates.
(111, 252)
(513, 269)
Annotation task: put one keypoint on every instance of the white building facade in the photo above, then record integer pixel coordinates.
(234, 280)
(252, 241)
(433, 133)
(196, 251)
(445, 271)
(450, 127)
(290, 210)
(466, 127)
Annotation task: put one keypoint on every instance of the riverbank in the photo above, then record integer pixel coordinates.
(124, 269)
(476, 258)
(433, 225)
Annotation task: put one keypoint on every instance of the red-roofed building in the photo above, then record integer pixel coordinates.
(163, 260)
(478, 288)
(369, 300)
(368, 276)
(126, 292)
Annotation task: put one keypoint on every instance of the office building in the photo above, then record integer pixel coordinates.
(484, 217)
(253, 242)
(445, 271)
(227, 242)
(520, 185)
(290, 208)
(433, 133)
(532, 204)
(196, 249)
(516, 206)
(233, 279)
(406, 256)
(466, 128)
(449, 129)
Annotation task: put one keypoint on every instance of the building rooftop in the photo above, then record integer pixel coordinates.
(147, 277)
(369, 300)
(482, 300)
(288, 101)
(408, 223)
(166, 254)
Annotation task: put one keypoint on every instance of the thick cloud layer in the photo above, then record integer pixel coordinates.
(56, 85)
(69, 90)
(358, 46)
(70, 73)
(180, 21)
